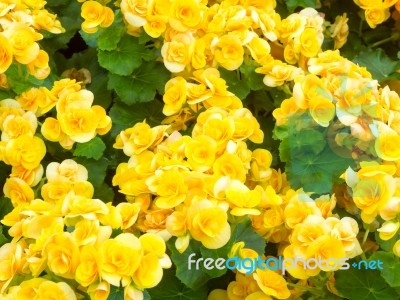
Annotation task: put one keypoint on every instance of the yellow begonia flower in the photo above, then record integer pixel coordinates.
(99, 290)
(23, 42)
(185, 15)
(87, 271)
(218, 294)
(309, 44)
(391, 209)
(242, 287)
(272, 283)
(297, 210)
(386, 144)
(229, 165)
(18, 191)
(243, 200)
(134, 11)
(228, 52)
(277, 72)
(340, 31)
(14, 126)
(376, 15)
(201, 152)
(31, 177)
(119, 258)
(11, 255)
(68, 170)
(371, 195)
(174, 96)
(169, 186)
(44, 289)
(94, 15)
(25, 150)
(44, 20)
(74, 207)
(388, 230)
(176, 54)
(62, 255)
(325, 248)
(6, 54)
(322, 110)
(208, 224)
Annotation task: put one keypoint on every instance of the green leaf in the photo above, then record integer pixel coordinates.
(129, 115)
(142, 85)
(215, 254)
(104, 192)
(261, 101)
(146, 295)
(20, 80)
(92, 149)
(56, 2)
(293, 4)
(144, 37)
(235, 85)
(110, 37)
(192, 278)
(316, 173)
(90, 38)
(357, 284)
(69, 14)
(126, 57)
(253, 80)
(125, 116)
(378, 64)
(311, 162)
(244, 232)
(304, 141)
(96, 169)
(5, 170)
(5, 207)
(390, 265)
(387, 245)
(171, 288)
(6, 94)
(116, 293)
(3, 238)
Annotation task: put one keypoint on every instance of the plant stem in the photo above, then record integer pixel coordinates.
(307, 288)
(393, 37)
(360, 28)
(365, 237)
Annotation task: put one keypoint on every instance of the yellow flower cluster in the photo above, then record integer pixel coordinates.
(261, 285)
(77, 119)
(20, 148)
(336, 87)
(376, 11)
(328, 240)
(187, 185)
(20, 23)
(336, 92)
(375, 192)
(207, 90)
(198, 35)
(340, 31)
(95, 15)
(40, 288)
(86, 252)
(302, 35)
